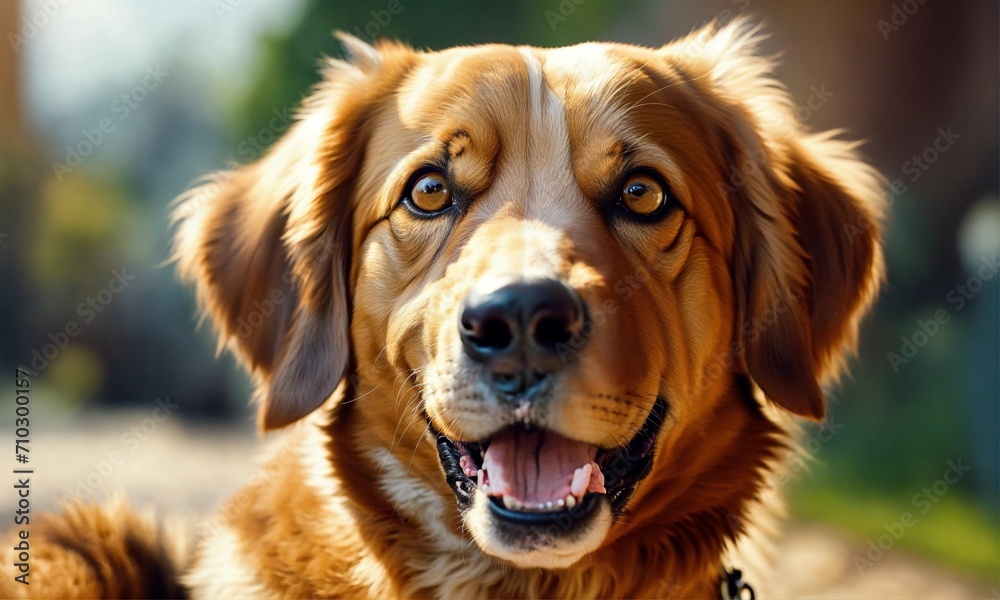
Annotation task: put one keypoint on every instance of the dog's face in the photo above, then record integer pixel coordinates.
(558, 290)
(550, 271)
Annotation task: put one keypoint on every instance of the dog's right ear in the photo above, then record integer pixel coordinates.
(268, 245)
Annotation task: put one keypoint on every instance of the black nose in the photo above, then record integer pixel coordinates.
(521, 328)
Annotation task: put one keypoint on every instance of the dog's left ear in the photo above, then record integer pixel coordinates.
(808, 270)
(807, 257)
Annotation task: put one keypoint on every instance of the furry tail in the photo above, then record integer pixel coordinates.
(88, 551)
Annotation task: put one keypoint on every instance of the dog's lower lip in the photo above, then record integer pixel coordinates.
(622, 467)
(543, 518)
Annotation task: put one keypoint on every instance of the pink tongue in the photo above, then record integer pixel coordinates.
(539, 466)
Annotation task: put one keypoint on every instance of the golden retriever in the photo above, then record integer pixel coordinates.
(535, 321)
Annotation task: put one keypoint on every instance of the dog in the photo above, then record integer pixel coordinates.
(534, 323)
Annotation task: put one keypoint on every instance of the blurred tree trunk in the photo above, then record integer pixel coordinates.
(11, 103)
(19, 186)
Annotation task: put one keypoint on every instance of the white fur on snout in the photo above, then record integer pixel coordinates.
(547, 548)
(531, 244)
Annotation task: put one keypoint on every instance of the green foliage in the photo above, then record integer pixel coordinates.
(955, 531)
(290, 60)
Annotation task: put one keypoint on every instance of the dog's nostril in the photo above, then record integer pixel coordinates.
(494, 334)
(485, 330)
(520, 325)
(550, 331)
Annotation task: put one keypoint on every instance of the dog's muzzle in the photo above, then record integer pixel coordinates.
(532, 476)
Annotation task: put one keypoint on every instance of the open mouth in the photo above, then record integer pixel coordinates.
(533, 476)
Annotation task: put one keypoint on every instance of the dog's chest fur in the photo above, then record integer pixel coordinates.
(294, 531)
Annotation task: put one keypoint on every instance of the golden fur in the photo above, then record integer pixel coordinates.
(736, 307)
(103, 551)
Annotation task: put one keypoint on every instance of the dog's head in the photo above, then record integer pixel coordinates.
(560, 267)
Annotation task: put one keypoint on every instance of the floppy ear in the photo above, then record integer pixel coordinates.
(268, 245)
(806, 269)
(807, 259)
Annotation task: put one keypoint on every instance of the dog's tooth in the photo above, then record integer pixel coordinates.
(581, 479)
(571, 501)
(560, 503)
(539, 506)
(479, 477)
(486, 488)
(548, 506)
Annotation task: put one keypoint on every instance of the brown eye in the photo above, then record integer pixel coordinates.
(430, 193)
(642, 194)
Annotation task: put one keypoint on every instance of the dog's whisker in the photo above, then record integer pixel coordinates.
(414, 398)
(402, 387)
(399, 414)
(409, 465)
(356, 398)
(379, 355)
(682, 81)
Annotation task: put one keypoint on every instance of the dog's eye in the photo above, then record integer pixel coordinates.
(430, 193)
(643, 194)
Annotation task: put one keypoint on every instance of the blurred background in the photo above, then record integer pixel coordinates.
(110, 109)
